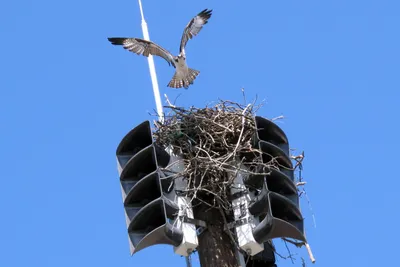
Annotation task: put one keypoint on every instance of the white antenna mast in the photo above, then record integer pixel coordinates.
(152, 69)
(189, 242)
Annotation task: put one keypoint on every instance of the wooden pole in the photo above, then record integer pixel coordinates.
(216, 248)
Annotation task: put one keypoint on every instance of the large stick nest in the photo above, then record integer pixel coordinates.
(215, 143)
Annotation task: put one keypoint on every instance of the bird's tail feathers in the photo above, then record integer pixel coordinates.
(178, 82)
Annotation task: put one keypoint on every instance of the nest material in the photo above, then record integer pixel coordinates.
(215, 143)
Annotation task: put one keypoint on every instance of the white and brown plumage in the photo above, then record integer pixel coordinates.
(184, 76)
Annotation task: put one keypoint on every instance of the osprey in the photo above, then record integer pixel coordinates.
(184, 76)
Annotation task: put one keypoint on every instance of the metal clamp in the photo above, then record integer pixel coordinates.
(200, 230)
(238, 194)
(238, 223)
(201, 225)
(196, 222)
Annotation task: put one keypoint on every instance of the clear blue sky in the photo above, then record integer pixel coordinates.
(67, 97)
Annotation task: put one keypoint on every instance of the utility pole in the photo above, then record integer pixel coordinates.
(262, 202)
(216, 248)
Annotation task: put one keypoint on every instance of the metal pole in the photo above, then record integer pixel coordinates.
(152, 69)
(188, 261)
(154, 82)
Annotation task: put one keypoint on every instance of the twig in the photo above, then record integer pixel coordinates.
(290, 254)
(300, 244)
(169, 103)
(278, 118)
(241, 132)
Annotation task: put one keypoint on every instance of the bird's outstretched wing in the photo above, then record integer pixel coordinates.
(143, 47)
(194, 27)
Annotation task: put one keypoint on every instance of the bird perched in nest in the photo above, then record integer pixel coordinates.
(184, 76)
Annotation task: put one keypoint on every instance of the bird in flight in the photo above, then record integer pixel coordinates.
(184, 76)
